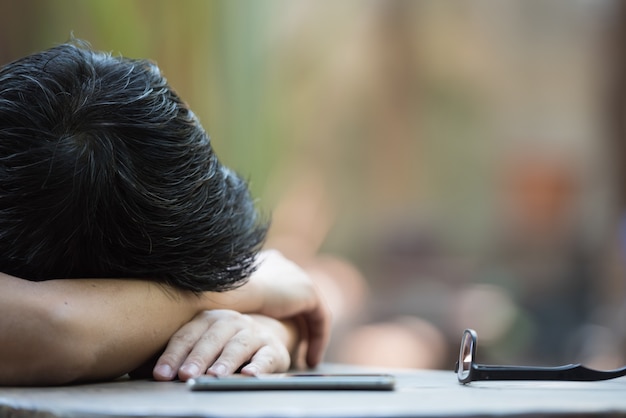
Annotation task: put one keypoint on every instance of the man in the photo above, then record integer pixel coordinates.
(106, 175)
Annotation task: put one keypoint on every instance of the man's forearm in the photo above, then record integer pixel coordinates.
(59, 331)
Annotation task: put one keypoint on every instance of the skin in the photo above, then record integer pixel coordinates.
(219, 341)
(281, 289)
(61, 331)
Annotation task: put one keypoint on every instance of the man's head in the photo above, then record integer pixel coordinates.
(105, 172)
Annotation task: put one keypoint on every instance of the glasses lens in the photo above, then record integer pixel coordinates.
(466, 356)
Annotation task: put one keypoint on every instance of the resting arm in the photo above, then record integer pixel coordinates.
(60, 331)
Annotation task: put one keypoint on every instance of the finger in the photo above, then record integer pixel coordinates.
(236, 352)
(207, 348)
(178, 348)
(268, 359)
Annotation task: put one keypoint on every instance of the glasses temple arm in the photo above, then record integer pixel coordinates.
(572, 372)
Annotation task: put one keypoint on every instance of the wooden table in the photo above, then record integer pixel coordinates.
(419, 393)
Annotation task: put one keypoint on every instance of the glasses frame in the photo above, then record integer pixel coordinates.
(468, 370)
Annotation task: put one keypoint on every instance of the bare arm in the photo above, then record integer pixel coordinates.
(60, 331)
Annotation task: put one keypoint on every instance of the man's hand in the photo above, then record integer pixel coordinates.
(286, 291)
(280, 289)
(219, 342)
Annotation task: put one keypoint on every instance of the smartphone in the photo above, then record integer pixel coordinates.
(294, 381)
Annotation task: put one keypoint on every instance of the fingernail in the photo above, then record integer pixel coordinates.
(190, 369)
(164, 370)
(251, 370)
(218, 369)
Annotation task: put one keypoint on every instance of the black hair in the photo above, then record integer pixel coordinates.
(105, 172)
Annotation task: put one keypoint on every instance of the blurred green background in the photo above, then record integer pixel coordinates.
(433, 164)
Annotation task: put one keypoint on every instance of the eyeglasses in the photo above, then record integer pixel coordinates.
(468, 370)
